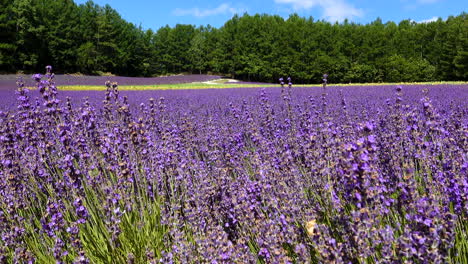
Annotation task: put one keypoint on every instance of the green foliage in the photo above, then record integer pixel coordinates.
(87, 58)
(359, 72)
(414, 70)
(461, 57)
(141, 230)
(197, 52)
(7, 36)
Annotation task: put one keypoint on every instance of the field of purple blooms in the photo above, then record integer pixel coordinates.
(294, 175)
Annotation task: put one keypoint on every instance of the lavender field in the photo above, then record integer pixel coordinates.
(305, 175)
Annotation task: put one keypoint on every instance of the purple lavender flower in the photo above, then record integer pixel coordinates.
(37, 77)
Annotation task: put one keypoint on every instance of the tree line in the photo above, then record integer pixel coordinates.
(92, 39)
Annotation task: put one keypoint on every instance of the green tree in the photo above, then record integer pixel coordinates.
(164, 60)
(61, 39)
(7, 36)
(29, 34)
(198, 52)
(86, 58)
(461, 57)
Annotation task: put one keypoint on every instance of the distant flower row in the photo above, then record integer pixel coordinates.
(6, 81)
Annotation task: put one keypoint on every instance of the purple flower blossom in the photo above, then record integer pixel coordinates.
(37, 77)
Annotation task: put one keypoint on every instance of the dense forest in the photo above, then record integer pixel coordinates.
(92, 39)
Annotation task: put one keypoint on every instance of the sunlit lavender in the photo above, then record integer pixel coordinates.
(365, 174)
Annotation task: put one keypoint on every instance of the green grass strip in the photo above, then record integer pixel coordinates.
(196, 86)
(188, 86)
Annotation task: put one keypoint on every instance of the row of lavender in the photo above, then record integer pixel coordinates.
(7, 80)
(363, 175)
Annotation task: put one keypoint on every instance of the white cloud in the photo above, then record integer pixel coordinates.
(333, 10)
(428, 20)
(299, 4)
(197, 12)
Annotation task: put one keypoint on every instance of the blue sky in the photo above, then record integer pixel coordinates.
(155, 14)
